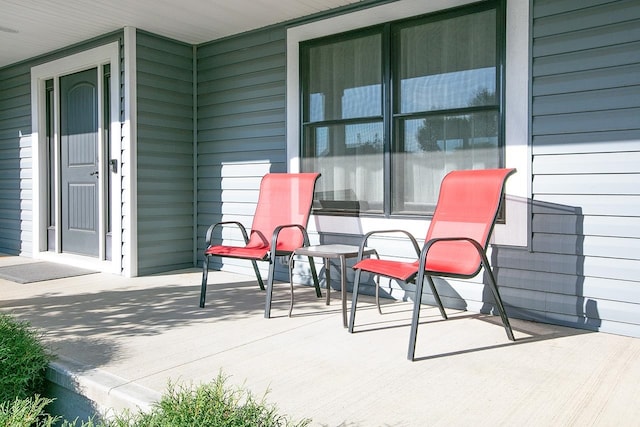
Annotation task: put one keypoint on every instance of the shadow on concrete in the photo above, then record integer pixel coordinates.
(74, 321)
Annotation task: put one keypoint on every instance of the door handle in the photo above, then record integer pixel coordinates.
(94, 173)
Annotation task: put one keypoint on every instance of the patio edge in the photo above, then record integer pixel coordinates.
(83, 392)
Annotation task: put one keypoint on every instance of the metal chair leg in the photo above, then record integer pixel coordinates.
(436, 296)
(354, 300)
(258, 276)
(416, 316)
(291, 264)
(267, 305)
(205, 274)
(497, 298)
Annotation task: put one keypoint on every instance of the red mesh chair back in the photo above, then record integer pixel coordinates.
(467, 207)
(284, 199)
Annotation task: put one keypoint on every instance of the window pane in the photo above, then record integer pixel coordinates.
(448, 64)
(430, 147)
(350, 159)
(345, 80)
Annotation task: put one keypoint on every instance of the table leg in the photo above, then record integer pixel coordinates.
(327, 277)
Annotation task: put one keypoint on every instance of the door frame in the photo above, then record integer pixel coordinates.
(92, 58)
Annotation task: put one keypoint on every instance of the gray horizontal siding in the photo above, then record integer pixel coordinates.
(583, 267)
(164, 154)
(241, 131)
(598, 79)
(604, 184)
(15, 160)
(623, 162)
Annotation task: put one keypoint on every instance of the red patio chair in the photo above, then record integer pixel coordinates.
(455, 245)
(279, 227)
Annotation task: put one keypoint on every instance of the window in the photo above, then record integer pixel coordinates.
(389, 110)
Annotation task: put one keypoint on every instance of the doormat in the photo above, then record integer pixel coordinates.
(40, 271)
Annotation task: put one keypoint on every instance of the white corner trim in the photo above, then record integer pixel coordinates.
(129, 148)
(516, 229)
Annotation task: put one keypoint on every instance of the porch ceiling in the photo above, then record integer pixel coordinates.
(30, 28)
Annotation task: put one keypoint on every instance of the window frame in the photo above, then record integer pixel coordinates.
(330, 207)
(391, 114)
(516, 231)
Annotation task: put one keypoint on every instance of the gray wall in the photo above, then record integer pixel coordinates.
(164, 154)
(584, 267)
(15, 163)
(241, 129)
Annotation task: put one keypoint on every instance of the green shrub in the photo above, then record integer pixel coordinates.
(27, 412)
(211, 404)
(23, 360)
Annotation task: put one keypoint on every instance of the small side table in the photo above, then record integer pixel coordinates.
(329, 252)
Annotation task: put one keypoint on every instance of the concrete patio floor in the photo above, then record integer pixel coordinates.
(121, 340)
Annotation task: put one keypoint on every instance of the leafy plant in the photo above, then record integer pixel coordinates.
(210, 404)
(23, 360)
(27, 412)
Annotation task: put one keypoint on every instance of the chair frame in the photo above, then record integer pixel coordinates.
(422, 273)
(269, 257)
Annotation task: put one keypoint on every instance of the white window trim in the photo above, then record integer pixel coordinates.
(515, 231)
(97, 57)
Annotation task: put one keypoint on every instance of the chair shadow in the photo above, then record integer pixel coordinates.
(530, 330)
(558, 332)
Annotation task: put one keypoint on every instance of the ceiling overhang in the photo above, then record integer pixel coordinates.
(30, 28)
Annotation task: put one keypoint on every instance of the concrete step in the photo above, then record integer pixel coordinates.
(83, 392)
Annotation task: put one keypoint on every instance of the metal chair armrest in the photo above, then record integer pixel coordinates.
(363, 245)
(427, 246)
(212, 227)
(278, 229)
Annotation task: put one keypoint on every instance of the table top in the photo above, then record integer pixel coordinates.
(332, 251)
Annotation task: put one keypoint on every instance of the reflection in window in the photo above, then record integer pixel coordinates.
(447, 91)
(431, 147)
(350, 159)
(343, 127)
(388, 111)
(344, 79)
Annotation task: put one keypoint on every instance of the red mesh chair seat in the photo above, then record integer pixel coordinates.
(395, 269)
(260, 253)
